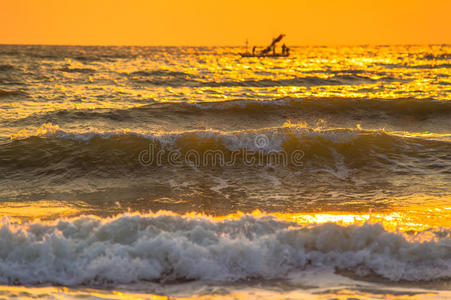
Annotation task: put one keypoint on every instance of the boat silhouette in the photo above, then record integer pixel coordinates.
(269, 51)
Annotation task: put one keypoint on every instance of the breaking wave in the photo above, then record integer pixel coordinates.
(166, 247)
(56, 150)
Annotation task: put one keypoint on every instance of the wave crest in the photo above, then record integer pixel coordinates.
(57, 151)
(344, 108)
(162, 247)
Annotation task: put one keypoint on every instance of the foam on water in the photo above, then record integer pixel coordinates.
(161, 247)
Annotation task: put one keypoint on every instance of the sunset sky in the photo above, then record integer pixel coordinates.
(224, 22)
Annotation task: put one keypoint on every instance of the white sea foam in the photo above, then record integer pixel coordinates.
(161, 247)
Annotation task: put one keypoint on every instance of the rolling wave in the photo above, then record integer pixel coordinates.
(356, 108)
(337, 105)
(166, 247)
(54, 150)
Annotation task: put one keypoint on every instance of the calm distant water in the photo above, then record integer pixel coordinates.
(335, 164)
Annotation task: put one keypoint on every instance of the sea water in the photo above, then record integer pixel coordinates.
(194, 173)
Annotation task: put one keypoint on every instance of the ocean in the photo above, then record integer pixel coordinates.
(190, 172)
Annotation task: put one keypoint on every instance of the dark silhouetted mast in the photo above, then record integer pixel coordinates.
(273, 44)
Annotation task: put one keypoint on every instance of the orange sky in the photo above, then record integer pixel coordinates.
(224, 22)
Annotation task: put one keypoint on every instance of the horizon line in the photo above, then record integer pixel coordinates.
(206, 46)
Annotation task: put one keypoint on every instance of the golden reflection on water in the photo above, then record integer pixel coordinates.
(248, 293)
(409, 219)
(39, 210)
(359, 72)
(378, 72)
(72, 293)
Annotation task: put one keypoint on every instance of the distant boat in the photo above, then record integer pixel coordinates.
(264, 55)
(269, 51)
